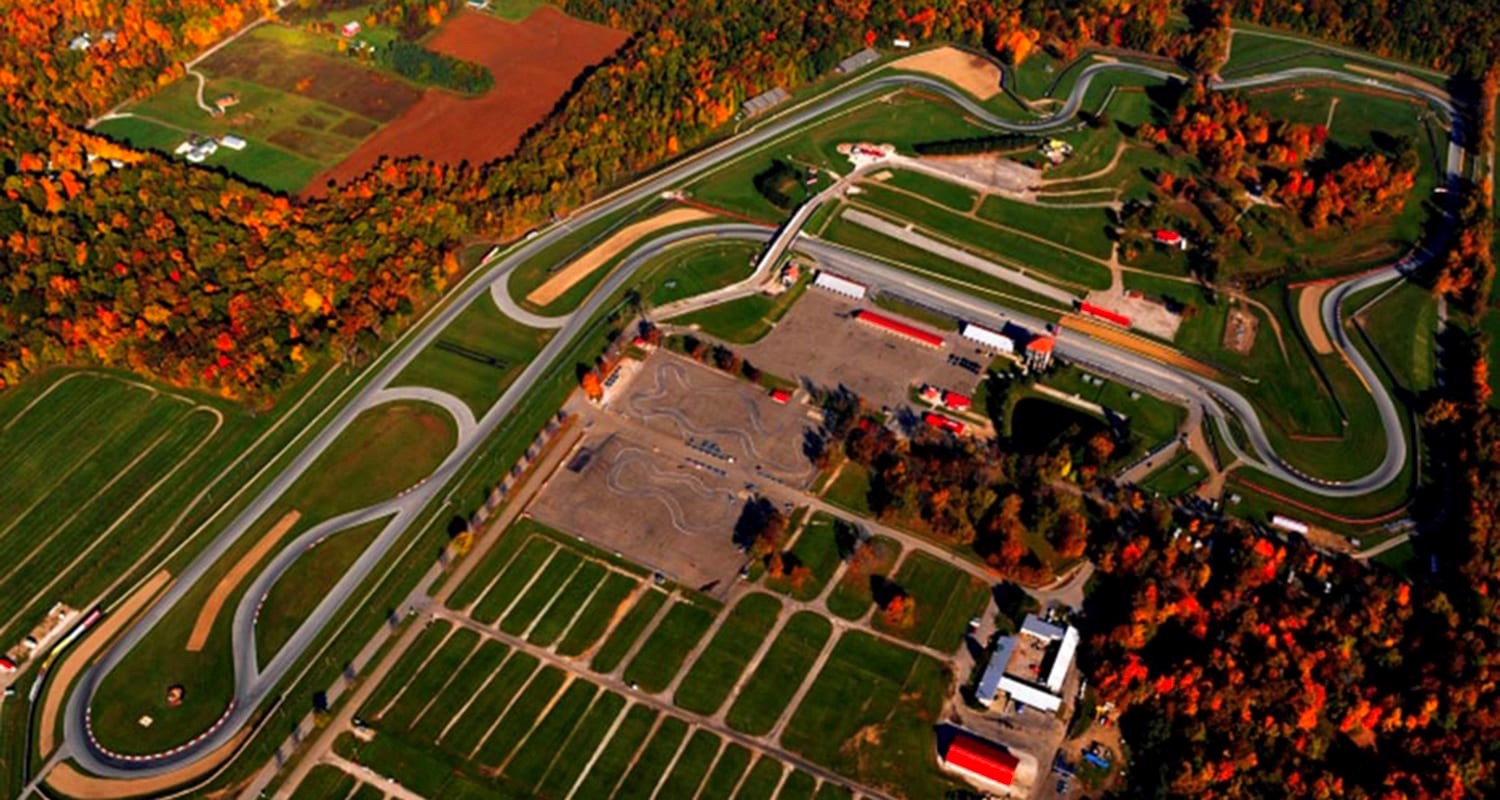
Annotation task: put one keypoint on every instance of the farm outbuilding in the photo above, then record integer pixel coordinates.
(974, 757)
(838, 285)
(899, 328)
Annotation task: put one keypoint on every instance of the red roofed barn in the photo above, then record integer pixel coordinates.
(973, 757)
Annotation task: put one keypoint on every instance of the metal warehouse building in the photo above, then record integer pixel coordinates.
(899, 328)
(837, 285)
(998, 342)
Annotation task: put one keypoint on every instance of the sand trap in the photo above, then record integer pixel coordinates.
(67, 779)
(974, 74)
(205, 622)
(565, 278)
(1309, 305)
(57, 688)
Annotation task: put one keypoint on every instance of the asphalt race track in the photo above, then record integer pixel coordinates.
(254, 685)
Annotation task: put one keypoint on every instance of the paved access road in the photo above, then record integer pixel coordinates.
(254, 685)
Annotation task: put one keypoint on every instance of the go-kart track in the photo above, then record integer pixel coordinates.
(254, 685)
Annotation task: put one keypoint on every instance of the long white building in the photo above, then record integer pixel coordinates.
(838, 285)
(992, 340)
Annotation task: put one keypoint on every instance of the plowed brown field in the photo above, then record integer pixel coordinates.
(534, 63)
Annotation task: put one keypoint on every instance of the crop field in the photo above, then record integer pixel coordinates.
(476, 357)
(350, 474)
(710, 678)
(852, 597)
(946, 599)
(870, 714)
(765, 694)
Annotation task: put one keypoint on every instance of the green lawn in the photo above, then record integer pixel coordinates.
(659, 659)
(946, 599)
(1402, 327)
(544, 587)
(652, 762)
(1035, 75)
(494, 559)
(587, 736)
(691, 270)
(310, 578)
(816, 549)
(545, 742)
(505, 589)
(611, 762)
(726, 773)
(774, 682)
(430, 680)
(1150, 420)
(746, 319)
(946, 193)
(623, 635)
(475, 672)
(870, 716)
(1085, 229)
(401, 674)
(798, 786)
(594, 620)
(350, 474)
(852, 597)
(565, 607)
(325, 782)
(515, 10)
(470, 730)
(761, 783)
(692, 765)
(1176, 477)
(851, 489)
(715, 672)
(477, 356)
(521, 718)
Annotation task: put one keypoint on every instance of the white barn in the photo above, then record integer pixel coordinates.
(838, 285)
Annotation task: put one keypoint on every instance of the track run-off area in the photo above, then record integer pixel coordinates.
(256, 679)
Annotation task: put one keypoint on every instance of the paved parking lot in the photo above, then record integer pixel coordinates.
(818, 343)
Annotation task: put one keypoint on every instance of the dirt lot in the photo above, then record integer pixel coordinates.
(975, 75)
(657, 510)
(1309, 313)
(818, 344)
(565, 278)
(1145, 314)
(681, 398)
(1239, 332)
(325, 78)
(997, 172)
(534, 63)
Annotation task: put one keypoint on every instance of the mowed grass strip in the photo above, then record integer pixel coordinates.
(596, 617)
(869, 715)
(477, 356)
(947, 193)
(762, 781)
(496, 559)
(587, 736)
(817, 549)
(305, 583)
(692, 765)
(662, 655)
(611, 762)
(434, 676)
(466, 734)
(833, 791)
(798, 786)
(546, 586)
(641, 781)
(852, 597)
(522, 716)
(779, 674)
(946, 599)
(324, 782)
(566, 604)
(726, 773)
(1085, 229)
(472, 675)
(545, 743)
(624, 634)
(513, 580)
(401, 674)
(717, 670)
(367, 792)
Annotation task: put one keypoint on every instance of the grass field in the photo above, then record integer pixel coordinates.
(522, 716)
(726, 773)
(946, 599)
(739, 637)
(652, 762)
(659, 659)
(746, 319)
(565, 605)
(495, 559)
(429, 681)
(771, 686)
(1151, 420)
(469, 731)
(852, 597)
(945, 193)
(306, 582)
(588, 735)
(1402, 327)
(851, 489)
(350, 474)
(761, 781)
(624, 634)
(476, 357)
(692, 765)
(694, 269)
(611, 762)
(817, 549)
(1085, 229)
(543, 745)
(508, 586)
(1176, 477)
(325, 782)
(461, 688)
(594, 620)
(870, 714)
(544, 586)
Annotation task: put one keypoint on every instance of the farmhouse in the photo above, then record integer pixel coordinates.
(1031, 666)
(899, 328)
(224, 101)
(1170, 238)
(984, 763)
